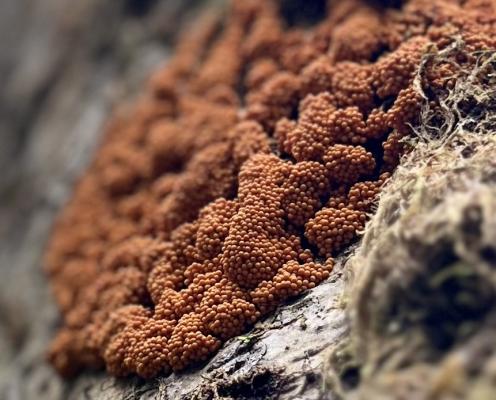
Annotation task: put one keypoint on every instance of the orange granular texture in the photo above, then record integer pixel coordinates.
(250, 161)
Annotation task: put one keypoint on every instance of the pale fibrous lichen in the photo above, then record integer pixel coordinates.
(422, 288)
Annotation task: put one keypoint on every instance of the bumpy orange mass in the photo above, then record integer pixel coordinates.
(248, 163)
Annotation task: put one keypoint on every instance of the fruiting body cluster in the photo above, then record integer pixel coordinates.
(249, 162)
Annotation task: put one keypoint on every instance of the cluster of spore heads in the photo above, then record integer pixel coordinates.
(249, 162)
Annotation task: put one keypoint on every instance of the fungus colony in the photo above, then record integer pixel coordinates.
(249, 161)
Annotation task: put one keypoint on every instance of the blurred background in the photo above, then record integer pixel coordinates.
(63, 65)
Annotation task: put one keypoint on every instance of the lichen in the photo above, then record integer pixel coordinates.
(422, 291)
